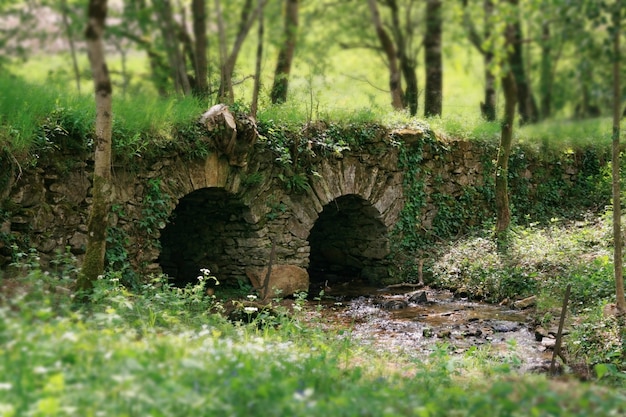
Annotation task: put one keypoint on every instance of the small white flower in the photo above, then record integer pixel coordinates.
(70, 336)
(303, 395)
(38, 370)
(251, 297)
(250, 310)
(5, 386)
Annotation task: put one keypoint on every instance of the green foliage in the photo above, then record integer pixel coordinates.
(296, 183)
(276, 208)
(252, 179)
(116, 255)
(408, 227)
(538, 260)
(161, 350)
(37, 294)
(66, 128)
(552, 194)
(598, 341)
(155, 209)
(543, 261)
(592, 282)
(476, 267)
(296, 148)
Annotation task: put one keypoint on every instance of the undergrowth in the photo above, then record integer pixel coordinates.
(163, 351)
(542, 261)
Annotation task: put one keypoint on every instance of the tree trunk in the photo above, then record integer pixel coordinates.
(488, 107)
(226, 92)
(285, 56)
(259, 59)
(408, 65)
(432, 59)
(527, 106)
(617, 203)
(395, 78)
(70, 40)
(503, 211)
(546, 71)
(201, 86)
(411, 93)
(175, 57)
(93, 264)
(225, 85)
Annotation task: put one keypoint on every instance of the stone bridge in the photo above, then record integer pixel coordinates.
(177, 214)
(335, 222)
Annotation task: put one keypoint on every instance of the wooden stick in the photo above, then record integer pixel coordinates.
(266, 281)
(559, 333)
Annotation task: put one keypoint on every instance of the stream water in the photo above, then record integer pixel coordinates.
(416, 322)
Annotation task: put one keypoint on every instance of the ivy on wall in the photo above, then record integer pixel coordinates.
(543, 185)
(155, 209)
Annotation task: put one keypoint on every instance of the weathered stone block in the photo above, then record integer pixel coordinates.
(284, 280)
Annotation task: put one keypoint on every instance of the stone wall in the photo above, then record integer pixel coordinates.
(178, 215)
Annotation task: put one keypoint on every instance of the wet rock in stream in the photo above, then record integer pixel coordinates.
(419, 298)
(415, 322)
(505, 326)
(394, 304)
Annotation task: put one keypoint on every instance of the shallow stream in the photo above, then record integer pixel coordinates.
(388, 320)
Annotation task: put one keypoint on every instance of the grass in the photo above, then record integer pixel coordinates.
(161, 351)
(567, 134)
(32, 114)
(344, 89)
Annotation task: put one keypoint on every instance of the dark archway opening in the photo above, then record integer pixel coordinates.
(348, 241)
(208, 229)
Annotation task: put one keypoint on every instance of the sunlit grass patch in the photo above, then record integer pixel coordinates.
(539, 259)
(466, 127)
(23, 109)
(154, 117)
(563, 134)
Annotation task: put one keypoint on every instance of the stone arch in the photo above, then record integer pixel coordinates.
(209, 228)
(382, 188)
(348, 240)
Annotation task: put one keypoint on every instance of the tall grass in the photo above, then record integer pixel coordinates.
(466, 127)
(32, 113)
(23, 109)
(155, 116)
(564, 134)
